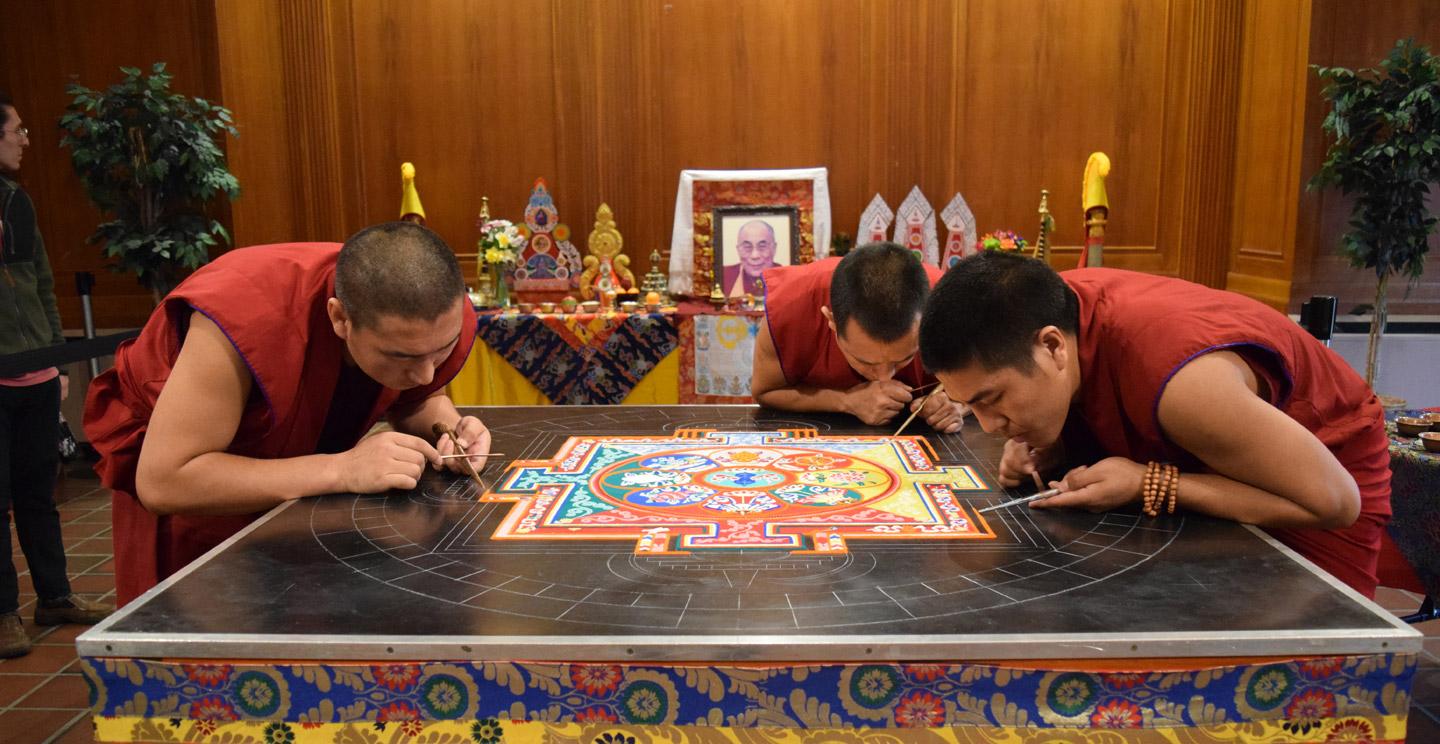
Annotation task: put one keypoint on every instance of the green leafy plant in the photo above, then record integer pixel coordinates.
(1386, 153)
(150, 159)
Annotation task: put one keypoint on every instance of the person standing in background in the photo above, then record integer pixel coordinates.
(29, 412)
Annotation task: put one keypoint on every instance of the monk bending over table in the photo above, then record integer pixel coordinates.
(1167, 393)
(255, 380)
(842, 335)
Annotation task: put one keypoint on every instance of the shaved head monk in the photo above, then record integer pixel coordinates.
(842, 335)
(255, 380)
(1128, 388)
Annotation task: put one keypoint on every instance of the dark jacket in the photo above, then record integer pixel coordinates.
(29, 318)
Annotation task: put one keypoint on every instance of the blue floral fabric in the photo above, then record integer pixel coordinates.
(587, 368)
(1300, 695)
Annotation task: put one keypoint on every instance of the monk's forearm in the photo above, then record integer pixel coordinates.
(1223, 497)
(218, 483)
(805, 399)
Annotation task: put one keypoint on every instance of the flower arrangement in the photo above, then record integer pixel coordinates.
(1001, 240)
(499, 249)
(500, 242)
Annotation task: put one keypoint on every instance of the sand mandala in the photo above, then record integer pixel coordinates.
(706, 490)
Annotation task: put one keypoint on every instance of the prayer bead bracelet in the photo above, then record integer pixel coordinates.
(1160, 487)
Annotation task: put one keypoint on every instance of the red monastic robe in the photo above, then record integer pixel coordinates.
(1137, 330)
(270, 302)
(803, 341)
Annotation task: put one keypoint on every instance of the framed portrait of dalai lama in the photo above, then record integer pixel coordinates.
(749, 240)
(700, 250)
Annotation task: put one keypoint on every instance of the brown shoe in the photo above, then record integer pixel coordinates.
(13, 640)
(73, 609)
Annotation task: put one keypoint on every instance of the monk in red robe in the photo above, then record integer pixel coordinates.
(255, 380)
(1109, 370)
(842, 335)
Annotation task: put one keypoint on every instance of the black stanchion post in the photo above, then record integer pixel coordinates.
(84, 284)
(1317, 315)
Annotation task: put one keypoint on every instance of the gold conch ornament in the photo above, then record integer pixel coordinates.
(606, 268)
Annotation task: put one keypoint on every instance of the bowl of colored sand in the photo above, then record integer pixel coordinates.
(1431, 440)
(1411, 426)
(547, 307)
(1434, 419)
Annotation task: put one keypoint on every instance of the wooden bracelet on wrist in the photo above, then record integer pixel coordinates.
(1160, 487)
(1149, 489)
(1174, 494)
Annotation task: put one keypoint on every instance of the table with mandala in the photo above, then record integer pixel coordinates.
(725, 573)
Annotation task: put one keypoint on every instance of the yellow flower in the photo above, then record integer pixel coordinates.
(503, 239)
(494, 255)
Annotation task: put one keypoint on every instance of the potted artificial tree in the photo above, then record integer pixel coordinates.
(150, 158)
(1386, 153)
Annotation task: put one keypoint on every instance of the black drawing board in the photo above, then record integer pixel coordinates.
(415, 576)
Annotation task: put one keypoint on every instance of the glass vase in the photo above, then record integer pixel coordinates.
(500, 285)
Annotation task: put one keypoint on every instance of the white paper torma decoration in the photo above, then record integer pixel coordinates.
(915, 227)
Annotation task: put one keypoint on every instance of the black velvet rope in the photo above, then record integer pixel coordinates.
(14, 365)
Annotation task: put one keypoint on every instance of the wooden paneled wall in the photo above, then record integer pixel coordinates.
(1268, 133)
(1355, 33)
(1201, 105)
(609, 101)
(44, 46)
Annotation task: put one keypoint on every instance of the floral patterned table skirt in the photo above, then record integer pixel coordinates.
(1353, 698)
(581, 358)
(1415, 503)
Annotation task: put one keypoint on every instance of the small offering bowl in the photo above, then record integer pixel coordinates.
(1411, 426)
(1431, 440)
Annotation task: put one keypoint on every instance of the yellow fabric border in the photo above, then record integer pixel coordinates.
(488, 380)
(490, 731)
(661, 387)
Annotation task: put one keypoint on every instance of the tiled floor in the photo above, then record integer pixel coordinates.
(43, 697)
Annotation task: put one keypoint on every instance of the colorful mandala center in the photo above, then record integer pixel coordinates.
(743, 482)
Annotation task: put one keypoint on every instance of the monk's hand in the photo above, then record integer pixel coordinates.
(1020, 461)
(942, 414)
(473, 438)
(877, 402)
(1108, 484)
(386, 460)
